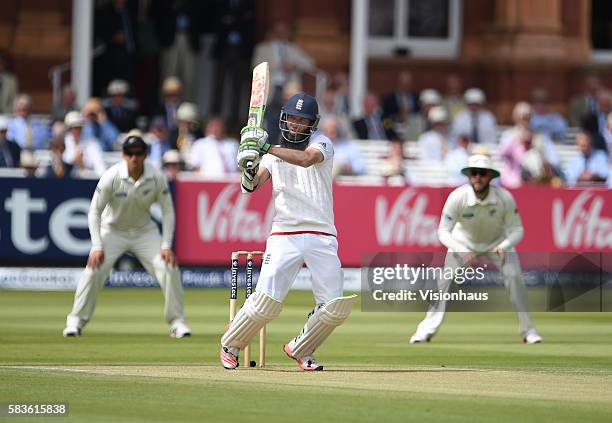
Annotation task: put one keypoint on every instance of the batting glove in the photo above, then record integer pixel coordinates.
(248, 156)
(257, 135)
(248, 179)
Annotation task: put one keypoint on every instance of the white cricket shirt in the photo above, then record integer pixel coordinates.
(303, 197)
(122, 204)
(471, 224)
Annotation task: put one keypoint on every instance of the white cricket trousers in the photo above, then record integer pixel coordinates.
(146, 246)
(513, 281)
(286, 254)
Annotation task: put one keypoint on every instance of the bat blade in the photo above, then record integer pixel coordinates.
(259, 94)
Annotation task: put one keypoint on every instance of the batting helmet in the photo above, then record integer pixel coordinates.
(301, 105)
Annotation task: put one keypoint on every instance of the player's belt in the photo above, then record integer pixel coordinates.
(302, 232)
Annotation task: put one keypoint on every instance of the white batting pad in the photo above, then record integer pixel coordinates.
(321, 324)
(257, 310)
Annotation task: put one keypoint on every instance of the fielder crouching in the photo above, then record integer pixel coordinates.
(479, 219)
(119, 221)
(303, 232)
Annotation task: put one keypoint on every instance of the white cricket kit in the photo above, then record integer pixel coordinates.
(119, 221)
(470, 224)
(303, 229)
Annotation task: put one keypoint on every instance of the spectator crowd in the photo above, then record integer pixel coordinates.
(183, 114)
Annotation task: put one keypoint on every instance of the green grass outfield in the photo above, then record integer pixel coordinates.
(126, 369)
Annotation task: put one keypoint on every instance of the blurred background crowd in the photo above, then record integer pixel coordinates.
(178, 72)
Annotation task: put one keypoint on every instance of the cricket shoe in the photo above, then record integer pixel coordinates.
(71, 331)
(308, 362)
(229, 357)
(418, 339)
(178, 329)
(532, 337)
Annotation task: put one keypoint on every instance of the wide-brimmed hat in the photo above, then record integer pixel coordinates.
(480, 161)
(171, 156)
(474, 96)
(74, 119)
(118, 87)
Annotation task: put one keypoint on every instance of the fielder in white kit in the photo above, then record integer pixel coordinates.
(481, 219)
(303, 232)
(119, 221)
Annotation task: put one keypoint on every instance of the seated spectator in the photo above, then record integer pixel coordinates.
(476, 120)
(372, 126)
(8, 87)
(340, 82)
(29, 164)
(590, 166)
(214, 156)
(393, 167)
(28, 132)
(10, 152)
(419, 122)
(58, 168)
(187, 130)
(453, 100)
(347, 157)
(585, 103)
(120, 110)
(172, 93)
(525, 159)
(67, 104)
(81, 152)
(158, 140)
(456, 160)
(171, 164)
(330, 109)
(543, 120)
(521, 114)
(596, 123)
(401, 104)
(434, 143)
(97, 126)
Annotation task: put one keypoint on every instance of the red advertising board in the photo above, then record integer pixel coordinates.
(214, 219)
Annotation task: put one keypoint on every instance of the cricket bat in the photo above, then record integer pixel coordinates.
(259, 96)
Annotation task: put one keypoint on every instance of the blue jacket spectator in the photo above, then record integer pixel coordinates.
(545, 121)
(347, 157)
(28, 132)
(590, 165)
(98, 126)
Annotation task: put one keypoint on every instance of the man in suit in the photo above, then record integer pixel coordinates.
(585, 103)
(8, 88)
(10, 151)
(372, 126)
(119, 109)
(287, 63)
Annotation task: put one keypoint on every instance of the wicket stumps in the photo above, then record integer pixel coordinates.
(248, 291)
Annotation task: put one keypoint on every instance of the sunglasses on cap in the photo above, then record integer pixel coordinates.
(478, 172)
(137, 153)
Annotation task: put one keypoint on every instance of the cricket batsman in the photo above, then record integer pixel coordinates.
(119, 221)
(303, 232)
(479, 219)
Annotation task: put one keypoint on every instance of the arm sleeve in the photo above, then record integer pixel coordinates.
(450, 214)
(109, 133)
(513, 224)
(266, 161)
(164, 198)
(325, 147)
(102, 196)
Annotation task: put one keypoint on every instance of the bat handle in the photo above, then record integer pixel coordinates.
(249, 165)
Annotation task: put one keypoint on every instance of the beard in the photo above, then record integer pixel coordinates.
(293, 145)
